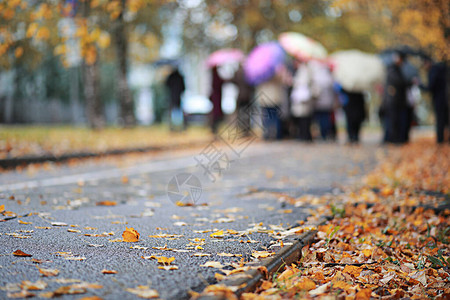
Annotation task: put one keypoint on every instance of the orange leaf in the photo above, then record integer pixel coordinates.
(306, 284)
(130, 235)
(2, 208)
(104, 271)
(21, 253)
(106, 203)
(353, 270)
(363, 294)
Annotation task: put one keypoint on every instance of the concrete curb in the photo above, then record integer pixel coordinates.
(10, 163)
(252, 278)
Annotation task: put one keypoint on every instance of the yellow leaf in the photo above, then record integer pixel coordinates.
(306, 284)
(2, 208)
(218, 234)
(130, 235)
(23, 222)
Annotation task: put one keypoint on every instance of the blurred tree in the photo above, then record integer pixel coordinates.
(421, 24)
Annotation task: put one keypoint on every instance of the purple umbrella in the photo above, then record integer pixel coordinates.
(262, 63)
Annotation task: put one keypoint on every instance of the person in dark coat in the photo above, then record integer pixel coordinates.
(437, 86)
(243, 100)
(396, 111)
(355, 113)
(176, 86)
(216, 99)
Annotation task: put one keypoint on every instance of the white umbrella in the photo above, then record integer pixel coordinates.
(357, 71)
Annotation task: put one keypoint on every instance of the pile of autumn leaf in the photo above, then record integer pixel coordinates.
(385, 239)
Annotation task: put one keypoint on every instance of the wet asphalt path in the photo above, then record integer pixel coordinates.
(246, 194)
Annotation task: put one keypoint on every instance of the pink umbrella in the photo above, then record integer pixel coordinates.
(301, 46)
(224, 56)
(262, 62)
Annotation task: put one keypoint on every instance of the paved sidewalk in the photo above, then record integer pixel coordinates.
(246, 195)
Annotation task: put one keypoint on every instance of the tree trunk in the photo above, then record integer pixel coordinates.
(94, 105)
(91, 74)
(125, 98)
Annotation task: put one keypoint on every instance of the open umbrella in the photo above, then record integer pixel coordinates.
(224, 56)
(302, 47)
(357, 71)
(262, 62)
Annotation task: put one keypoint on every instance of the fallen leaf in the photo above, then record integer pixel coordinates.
(2, 208)
(21, 294)
(306, 284)
(33, 286)
(168, 267)
(48, 272)
(218, 234)
(59, 224)
(21, 253)
(179, 224)
(229, 254)
(199, 254)
(106, 203)
(262, 254)
(74, 230)
(143, 292)
(130, 235)
(104, 271)
(213, 264)
(138, 247)
(23, 222)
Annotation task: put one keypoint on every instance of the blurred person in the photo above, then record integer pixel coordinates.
(325, 99)
(243, 100)
(216, 99)
(272, 96)
(353, 104)
(176, 86)
(437, 86)
(395, 103)
(302, 101)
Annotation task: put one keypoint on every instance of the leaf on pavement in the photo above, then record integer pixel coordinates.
(213, 264)
(48, 272)
(104, 271)
(106, 203)
(229, 254)
(21, 253)
(21, 294)
(130, 235)
(23, 222)
(199, 254)
(74, 230)
(179, 224)
(143, 292)
(217, 234)
(168, 267)
(262, 254)
(2, 208)
(59, 224)
(138, 247)
(33, 286)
